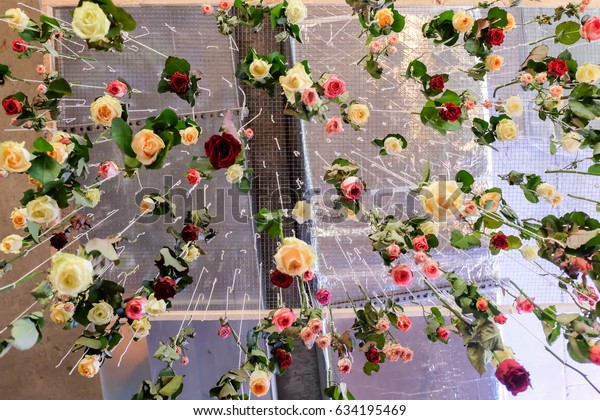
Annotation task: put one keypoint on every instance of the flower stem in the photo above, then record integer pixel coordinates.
(562, 171)
(583, 199)
(514, 82)
(583, 375)
(541, 40)
(237, 340)
(20, 281)
(444, 302)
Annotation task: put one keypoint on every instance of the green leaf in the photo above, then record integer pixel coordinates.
(34, 230)
(172, 387)
(122, 134)
(42, 145)
(466, 180)
(44, 169)
(461, 241)
(568, 33)
(475, 353)
(88, 342)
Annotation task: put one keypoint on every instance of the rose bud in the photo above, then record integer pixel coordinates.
(193, 176)
(442, 334)
(108, 169)
(500, 319)
(224, 331)
(482, 304)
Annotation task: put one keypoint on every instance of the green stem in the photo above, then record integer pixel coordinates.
(541, 40)
(514, 82)
(583, 375)
(526, 296)
(444, 302)
(562, 171)
(583, 199)
(237, 340)
(20, 281)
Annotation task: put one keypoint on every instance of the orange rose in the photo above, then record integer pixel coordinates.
(146, 146)
(260, 382)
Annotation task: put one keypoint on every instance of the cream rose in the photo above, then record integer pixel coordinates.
(155, 307)
(259, 69)
(17, 19)
(235, 173)
(12, 244)
(302, 211)
(61, 312)
(392, 146)
(507, 130)
(140, 328)
(146, 145)
(296, 11)
(101, 313)
(260, 382)
(442, 199)
(93, 194)
(529, 252)
(294, 257)
(89, 366)
(462, 21)
(588, 73)
(511, 23)
(90, 22)
(43, 210)
(147, 204)
(545, 190)
(59, 135)
(358, 114)
(295, 80)
(191, 253)
(70, 274)
(556, 199)
(513, 107)
(189, 136)
(105, 109)
(384, 17)
(571, 142)
(491, 197)
(494, 62)
(19, 218)
(14, 157)
(430, 228)
(61, 151)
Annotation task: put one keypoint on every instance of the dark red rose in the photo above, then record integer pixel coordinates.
(79, 222)
(500, 319)
(450, 112)
(514, 376)
(283, 358)
(12, 106)
(19, 46)
(222, 150)
(442, 333)
(499, 241)
(59, 240)
(164, 288)
(437, 83)
(179, 82)
(373, 355)
(280, 279)
(495, 36)
(558, 67)
(190, 232)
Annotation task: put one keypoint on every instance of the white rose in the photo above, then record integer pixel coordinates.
(259, 69)
(295, 80)
(392, 146)
(295, 11)
(529, 252)
(513, 107)
(507, 130)
(155, 307)
(571, 142)
(147, 205)
(101, 313)
(235, 173)
(191, 253)
(12, 244)
(43, 210)
(90, 22)
(189, 136)
(105, 109)
(14, 157)
(140, 328)
(358, 114)
(61, 312)
(70, 274)
(545, 190)
(18, 20)
(588, 73)
(302, 212)
(93, 194)
(442, 199)
(430, 228)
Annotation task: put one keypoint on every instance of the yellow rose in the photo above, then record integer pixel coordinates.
(294, 257)
(494, 62)
(384, 17)
(462, 21)
(392, 146)
(259, 69)
(191, 253)
(529, 252)
(571, 142)
(146, 146)
(295, 12)
(140, 328)
(302, 212)
(442, 199)
(155, 307)
(235, 173)
(12, 244)
(61, 151)
(70, 274)
(43, 210)
(493, 197)
(513, 107)
(588, 73)
(105, 109)
(545, 190)
(429, 228)
(147, 204)
(101, 313)
(358, 114)
(89, 366)
(295, 80)
(17, 19)
(93, 194)
(19, 218)
(511, 23)
(14, 157)
(189, 136)
(507, 130)
(61, 313)
(90, 22)
(260, 382)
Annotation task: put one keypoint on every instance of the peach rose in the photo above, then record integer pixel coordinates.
(383, 325)
(260, 382)
(14, 157)
(494, 62)
(294, 257)
(283, 318)
(18, 218)
(442, 199)
(393, 352)
(315, 325)
(105, 109)
(420, 257)
(89, 366)
(323, 341)
(306, 335)
(146, 146)
(384, 17)
(189, 136)
(462, 21)
(393, 251)
(511, 23)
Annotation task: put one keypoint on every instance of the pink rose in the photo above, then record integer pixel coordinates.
(352, 187)
(556, 91)
(526, 78)
(524, 305)
(402, 275)
(420, 258)
(207, 9)
(309, 275)
(420, 243)
(394, 251)
(315, 325)
(323, 341)
(225, 5)
(442, 334)
(590, 30)
(323, 296)
(383, 325)
(393, 352)
(375, 47)
(116, 88)
(404, 323)
(470, 208)
(306, 334)
(310, 97)
(224, 331)
(184, 361)
(431, 270)
(595, 354)
(580, 264)
(500, 319)
(283, 318)
(482, 304)
(41, 69)
(193, 176)
(470, 105)
(488, 104)
(334, 87)
(41, 89)
(408, 355)
(249, 133)
(178, 350)
(541, 77)
(108, 169)
(135, 308)
(344, 365)
(392, 50)
(334, 126)
(393, 39)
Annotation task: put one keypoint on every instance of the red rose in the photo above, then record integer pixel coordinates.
(495, 36)
(280, 279)
(514, 376)
(420, 243)
(558, 67)
(283, 358)
(19, 46)
(193, 176)
(179, 82)
(12, 106)
(59, 240)
(164, 288)
(500, 319)
(437, 83)
(222, 150)
(442, 334)
(500, 241)
(373, 355)
(190, 232)
(403, 323)
(450, 112)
